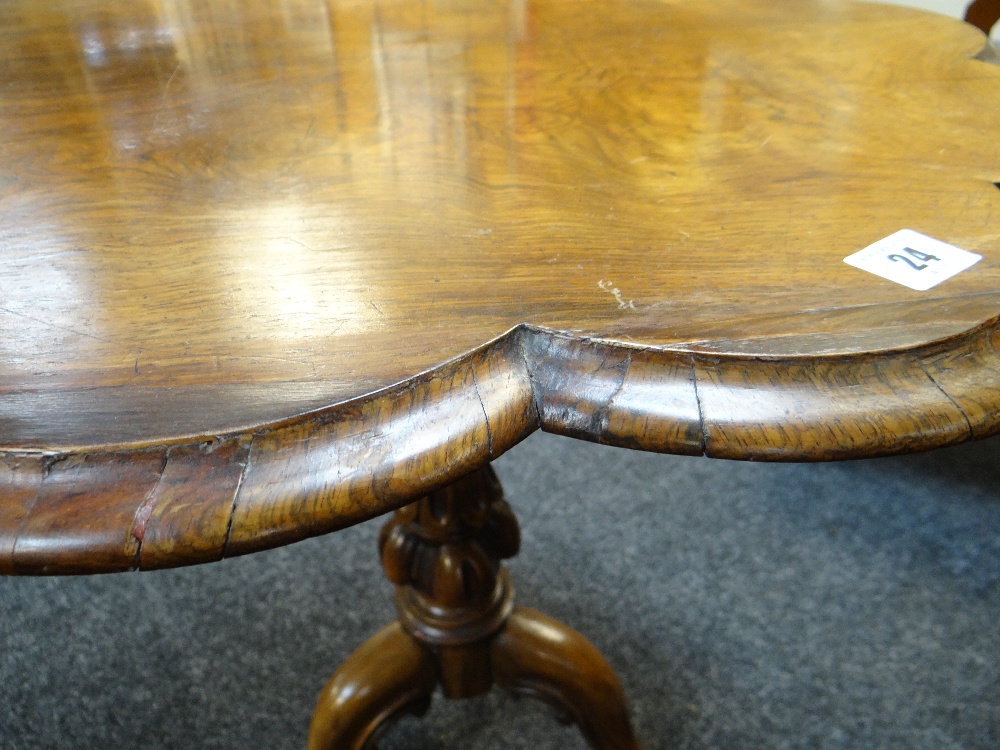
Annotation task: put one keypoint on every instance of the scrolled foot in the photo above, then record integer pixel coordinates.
(388, 675)
(537, 656)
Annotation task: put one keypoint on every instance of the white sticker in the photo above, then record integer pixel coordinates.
(913, 259)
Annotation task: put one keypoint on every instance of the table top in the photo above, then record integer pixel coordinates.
(271, 268)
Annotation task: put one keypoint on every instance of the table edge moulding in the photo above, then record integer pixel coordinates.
(202, 499)
(746, 338)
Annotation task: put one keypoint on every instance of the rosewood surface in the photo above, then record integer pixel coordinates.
(271, 268)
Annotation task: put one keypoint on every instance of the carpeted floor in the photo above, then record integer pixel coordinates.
(852, 605)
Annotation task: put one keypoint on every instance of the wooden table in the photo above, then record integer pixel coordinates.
(274, 268)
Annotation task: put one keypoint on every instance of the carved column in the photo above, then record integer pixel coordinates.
(458, 628)
(443, 553)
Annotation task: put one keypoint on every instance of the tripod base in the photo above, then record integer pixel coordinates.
(459, 629)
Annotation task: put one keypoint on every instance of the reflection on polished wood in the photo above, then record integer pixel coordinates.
(271, 268)
(216, 214)
(459, 628)
(274, 267)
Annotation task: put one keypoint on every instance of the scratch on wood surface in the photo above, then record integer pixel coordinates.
(145, 511)
(300, 242)
(610, 288)
(56, 326)
(486, 416)
(956, 404)
(166, 86)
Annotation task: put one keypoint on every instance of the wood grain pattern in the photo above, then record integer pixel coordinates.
(215, 219)
(195, 503)
(273, 269)
(187, 516)
(959, 372)
(82, 519)
(826, 409)
(20, 478)
(628, 396)
(348, 464)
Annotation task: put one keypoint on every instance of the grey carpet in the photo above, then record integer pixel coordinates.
(851, 605)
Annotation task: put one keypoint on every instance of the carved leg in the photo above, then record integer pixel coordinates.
(388, 675)
(458, 628)
(537, 656)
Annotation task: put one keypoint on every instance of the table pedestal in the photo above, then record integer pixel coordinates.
(458, 628)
